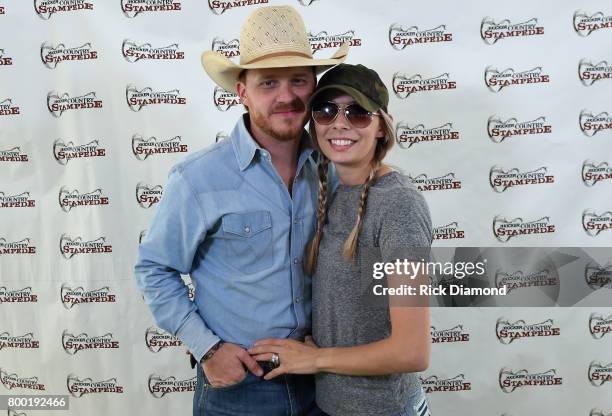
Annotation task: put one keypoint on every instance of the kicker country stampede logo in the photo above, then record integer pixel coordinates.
(69, 199)
(599, 373)
(594, 223)
(17, 247)
(507, 331)
(51, 54)
(77, 387)
(13, 381)
(75, 343)
(598, 277)
(592, 124)
(70, 297)
(25, 341)
(407, 136)
(13, 155)
(491, 32)
(133, 52)
(433, 384)
(46, 8)
(495, 80)
(2, 10)
(593, 172)
(22, 200)
(599, 412)
(132, 8)
(157, 339)
(401, 36)
(499, 130)
(136, 99)
(224, 100)
(4, 59)
(504, 229)
(64, 152)
(7, 108)
(57, 104)
(160, 386)
(147, 196)
(511, 380)
(143, 148)
(404, 85)
(439, 183)
(518, 279)
(70, 247)
(600, 326)
(229, 48)
(500, 179)
(589, 72)
(323, 40)
(448, 232)
(585, 24)
(24, 295)
(220, 6)
(454, 334)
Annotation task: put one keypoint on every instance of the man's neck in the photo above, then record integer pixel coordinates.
(284, 153)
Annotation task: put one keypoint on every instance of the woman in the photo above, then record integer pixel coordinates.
(365, 356)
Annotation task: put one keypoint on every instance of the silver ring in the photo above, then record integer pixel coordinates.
(275, 360)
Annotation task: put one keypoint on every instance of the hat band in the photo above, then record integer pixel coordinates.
(276, 54)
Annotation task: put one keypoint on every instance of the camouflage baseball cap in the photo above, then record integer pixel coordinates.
(358, 81)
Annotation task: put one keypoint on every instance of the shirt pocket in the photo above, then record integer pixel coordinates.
(248, 240)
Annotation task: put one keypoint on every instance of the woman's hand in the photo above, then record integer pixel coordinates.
(295, 357)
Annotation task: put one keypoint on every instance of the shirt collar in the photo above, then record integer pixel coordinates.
(245, 147)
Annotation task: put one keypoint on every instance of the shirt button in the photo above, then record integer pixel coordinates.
(247, 229)
(296, 221)
(297, 300)
(295, 261)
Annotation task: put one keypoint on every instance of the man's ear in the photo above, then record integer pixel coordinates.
(241, 89)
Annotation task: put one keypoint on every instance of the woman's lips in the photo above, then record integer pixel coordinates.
(341, 145)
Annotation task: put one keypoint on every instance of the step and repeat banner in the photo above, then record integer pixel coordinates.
(503, 118)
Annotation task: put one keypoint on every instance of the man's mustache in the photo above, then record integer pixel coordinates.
(295, 105)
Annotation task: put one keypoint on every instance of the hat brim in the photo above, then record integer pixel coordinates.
(225, 73)
(362, 99)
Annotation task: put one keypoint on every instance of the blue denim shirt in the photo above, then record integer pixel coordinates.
(227, 219)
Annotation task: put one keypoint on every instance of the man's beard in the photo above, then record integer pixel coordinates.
(287, 134)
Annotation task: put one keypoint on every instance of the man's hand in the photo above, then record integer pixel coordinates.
(227, 366)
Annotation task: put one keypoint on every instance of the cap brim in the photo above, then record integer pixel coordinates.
(361, 98)
(225, 73)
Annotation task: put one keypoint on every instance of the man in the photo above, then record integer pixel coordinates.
(237, 217)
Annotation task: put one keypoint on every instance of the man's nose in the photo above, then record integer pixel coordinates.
(286, 94)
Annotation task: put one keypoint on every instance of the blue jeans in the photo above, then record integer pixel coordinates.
(287, 395)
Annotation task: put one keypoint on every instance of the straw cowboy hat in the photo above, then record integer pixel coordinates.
(271, 37)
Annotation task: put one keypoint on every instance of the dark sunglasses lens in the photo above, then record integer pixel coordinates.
(324, 113)
(358, 116)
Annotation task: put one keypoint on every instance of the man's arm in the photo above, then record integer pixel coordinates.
(177, 229)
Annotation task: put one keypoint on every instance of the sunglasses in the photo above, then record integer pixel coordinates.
(326, 112)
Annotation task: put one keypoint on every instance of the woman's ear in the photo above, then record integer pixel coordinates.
(380, 132)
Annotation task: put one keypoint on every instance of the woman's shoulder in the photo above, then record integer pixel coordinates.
(395, 187)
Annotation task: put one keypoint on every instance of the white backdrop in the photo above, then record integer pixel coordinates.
(485, 94)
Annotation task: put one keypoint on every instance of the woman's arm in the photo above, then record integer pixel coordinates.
(405, 350)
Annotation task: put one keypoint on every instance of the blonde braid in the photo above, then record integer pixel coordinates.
(312, 250)
(350, 245)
